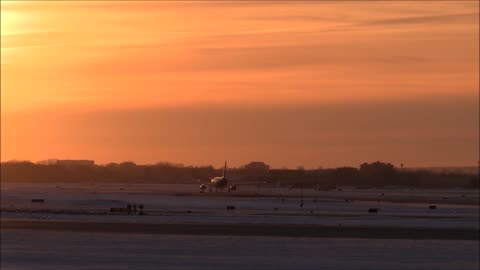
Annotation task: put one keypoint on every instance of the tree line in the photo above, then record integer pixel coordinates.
(376, 174)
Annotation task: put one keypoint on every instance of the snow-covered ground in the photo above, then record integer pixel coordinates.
(24, 249)
(184, 204)
(44, 249)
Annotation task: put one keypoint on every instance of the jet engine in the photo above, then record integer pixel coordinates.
(232, 187)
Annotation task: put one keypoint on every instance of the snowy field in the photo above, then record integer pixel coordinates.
(24, 249)
(184, 204)
(272, 206)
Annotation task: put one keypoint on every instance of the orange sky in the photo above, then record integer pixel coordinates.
(200, 82)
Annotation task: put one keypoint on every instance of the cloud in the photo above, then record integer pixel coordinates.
(35, 39)
(287, 17)
(436, 19)
(157, 59)
(404, 59)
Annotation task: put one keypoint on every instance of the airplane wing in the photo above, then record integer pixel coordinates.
(243, 182)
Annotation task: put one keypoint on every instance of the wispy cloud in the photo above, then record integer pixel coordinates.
(437, 19)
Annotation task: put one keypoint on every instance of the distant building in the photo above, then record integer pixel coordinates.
(72, 162)
(48, 162)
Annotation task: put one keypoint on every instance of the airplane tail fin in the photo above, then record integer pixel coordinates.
(225, 170)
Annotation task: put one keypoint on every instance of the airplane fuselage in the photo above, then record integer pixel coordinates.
(219, 182)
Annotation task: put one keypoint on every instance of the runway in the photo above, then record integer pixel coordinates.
(55, 250)
(278, 230)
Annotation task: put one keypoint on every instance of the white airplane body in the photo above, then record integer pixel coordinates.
(219, 182)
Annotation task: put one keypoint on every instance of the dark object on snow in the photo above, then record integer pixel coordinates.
(119, 210)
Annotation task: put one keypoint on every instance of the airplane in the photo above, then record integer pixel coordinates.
(222, 182)
(219, 182)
